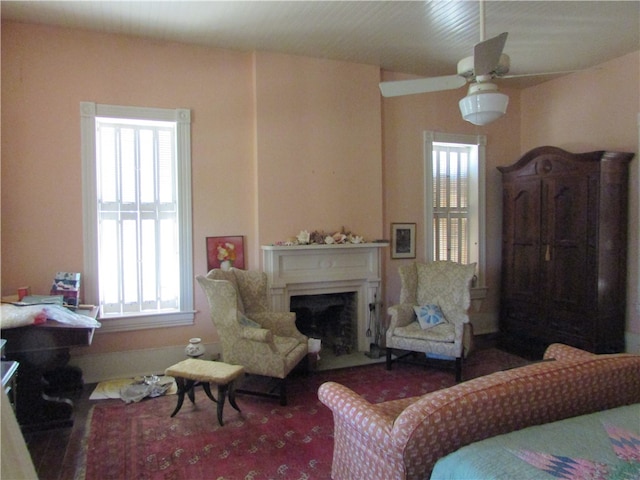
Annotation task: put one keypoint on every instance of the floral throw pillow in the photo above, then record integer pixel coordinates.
(429, 316)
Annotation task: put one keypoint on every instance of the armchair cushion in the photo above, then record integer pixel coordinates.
(445, 332)
(429, 316)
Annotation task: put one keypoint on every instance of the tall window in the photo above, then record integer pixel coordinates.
(454, 199)
(137, 215)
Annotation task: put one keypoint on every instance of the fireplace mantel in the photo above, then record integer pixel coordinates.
(318, 269)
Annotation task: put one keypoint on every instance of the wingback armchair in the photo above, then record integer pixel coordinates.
(431, 316)
(264, 342)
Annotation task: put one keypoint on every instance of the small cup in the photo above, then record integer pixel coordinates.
(23, 292)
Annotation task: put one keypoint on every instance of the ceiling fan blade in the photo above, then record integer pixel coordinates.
(524, 75)
(421, 85)
(486, 55)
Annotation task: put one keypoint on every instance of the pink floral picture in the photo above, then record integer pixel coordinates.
(225, 252)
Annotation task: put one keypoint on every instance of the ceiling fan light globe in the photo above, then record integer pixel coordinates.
(483, 108)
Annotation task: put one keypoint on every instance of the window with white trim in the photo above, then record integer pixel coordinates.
(137, 215)
(454, 199)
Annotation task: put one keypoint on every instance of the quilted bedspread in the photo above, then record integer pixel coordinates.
(603, 445)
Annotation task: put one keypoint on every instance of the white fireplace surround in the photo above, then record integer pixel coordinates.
(319, 269)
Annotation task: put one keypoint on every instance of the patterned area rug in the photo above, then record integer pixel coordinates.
(264, 441)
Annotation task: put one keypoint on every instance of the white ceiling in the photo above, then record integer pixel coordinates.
(423, 38)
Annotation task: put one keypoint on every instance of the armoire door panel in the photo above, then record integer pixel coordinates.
(526, 213)
(566, 204)
(526, 284)
(522, 246)
(567, 210)
(567, 278)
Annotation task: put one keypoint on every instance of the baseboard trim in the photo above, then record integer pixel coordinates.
(132, 363)
(108, 366)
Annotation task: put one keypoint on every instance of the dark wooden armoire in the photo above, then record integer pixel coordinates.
(564, 241)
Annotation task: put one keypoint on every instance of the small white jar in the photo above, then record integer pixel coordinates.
(195, 348)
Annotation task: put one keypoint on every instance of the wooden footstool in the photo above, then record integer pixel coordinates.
(191, 371)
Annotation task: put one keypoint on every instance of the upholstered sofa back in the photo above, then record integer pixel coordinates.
(406, 437)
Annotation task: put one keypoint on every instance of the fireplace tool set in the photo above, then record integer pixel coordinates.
(375, 351)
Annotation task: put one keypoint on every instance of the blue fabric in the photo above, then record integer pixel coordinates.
(439, 356)
(247, 322)
(429, 316)
(568, 449)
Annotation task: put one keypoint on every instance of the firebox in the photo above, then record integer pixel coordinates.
(331, 317)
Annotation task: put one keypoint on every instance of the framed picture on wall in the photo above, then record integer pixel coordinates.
(225, 252)
(403, 240)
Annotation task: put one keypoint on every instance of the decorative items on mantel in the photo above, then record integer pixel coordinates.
(318, 237)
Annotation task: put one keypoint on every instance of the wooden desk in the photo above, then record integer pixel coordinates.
(44, 378)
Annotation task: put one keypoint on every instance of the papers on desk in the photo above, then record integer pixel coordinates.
(40, 300)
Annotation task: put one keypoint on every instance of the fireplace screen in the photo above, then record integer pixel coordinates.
(331, 317)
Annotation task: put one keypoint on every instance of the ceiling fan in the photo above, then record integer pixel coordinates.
(483, 103)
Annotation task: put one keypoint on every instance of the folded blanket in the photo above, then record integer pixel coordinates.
(13, 316)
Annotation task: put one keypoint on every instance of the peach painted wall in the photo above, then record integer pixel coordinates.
(404, 121)
(318, 141)
(315, 162)
(594, 110)
(279, 143)
(46, 73)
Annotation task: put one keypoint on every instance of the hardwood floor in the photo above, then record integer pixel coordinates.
(56, 453)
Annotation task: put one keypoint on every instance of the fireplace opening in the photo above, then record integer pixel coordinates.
(331, 317)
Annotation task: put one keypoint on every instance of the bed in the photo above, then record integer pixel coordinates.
(604, 445)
